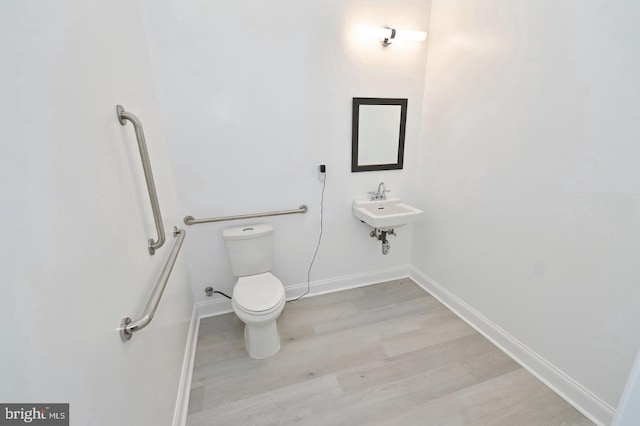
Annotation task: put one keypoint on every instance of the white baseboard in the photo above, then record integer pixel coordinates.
(211, 308)
(222, 306)
(575, 394)
(348, 282)
(184, 389)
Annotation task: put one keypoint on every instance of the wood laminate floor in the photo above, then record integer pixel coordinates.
(387, 354)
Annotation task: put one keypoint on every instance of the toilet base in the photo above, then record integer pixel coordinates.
(261, 336)
(262, 341)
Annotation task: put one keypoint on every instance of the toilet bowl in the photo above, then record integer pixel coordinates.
(258, 296)
(258, 301)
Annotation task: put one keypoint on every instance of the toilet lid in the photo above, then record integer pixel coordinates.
(258, 292)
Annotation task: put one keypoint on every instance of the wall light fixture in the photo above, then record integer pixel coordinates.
(388, 35)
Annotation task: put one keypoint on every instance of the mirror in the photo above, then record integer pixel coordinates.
(378, 134)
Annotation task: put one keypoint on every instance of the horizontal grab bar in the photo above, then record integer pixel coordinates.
(190, 220)
(127, 326)
(148, 175)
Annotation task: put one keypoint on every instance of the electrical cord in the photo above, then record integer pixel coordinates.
(313, 259)
(219, 292)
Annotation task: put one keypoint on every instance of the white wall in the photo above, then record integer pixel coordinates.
(255, 95)
(76, 217)
(530, 176)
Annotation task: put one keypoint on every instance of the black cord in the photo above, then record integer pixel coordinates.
(225, 295)
(324, 184)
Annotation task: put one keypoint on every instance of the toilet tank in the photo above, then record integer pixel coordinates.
(249, 248)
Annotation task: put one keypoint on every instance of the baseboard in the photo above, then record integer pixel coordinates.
(182, 402)
(575, 394)
(210, 308)
(347, 282)
(222, 306)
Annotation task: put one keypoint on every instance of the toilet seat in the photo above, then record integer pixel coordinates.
(258, 294)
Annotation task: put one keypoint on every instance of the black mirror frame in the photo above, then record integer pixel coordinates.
(402, 102)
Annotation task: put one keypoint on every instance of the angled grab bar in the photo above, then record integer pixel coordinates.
(128, 326)
(148, 175)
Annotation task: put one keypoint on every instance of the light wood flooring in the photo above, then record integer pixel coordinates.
(387, 354)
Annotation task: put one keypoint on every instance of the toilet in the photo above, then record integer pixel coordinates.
(258, 296)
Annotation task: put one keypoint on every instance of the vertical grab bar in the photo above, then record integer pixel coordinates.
(148, 175)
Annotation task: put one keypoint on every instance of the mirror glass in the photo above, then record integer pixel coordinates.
(378, 134)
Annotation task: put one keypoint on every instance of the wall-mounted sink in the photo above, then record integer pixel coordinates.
(385, 214)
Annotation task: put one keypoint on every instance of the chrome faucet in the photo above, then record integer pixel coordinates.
(381, 194)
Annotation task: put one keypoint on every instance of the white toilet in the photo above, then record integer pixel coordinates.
(258, 296)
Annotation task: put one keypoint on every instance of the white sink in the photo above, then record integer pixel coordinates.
(385, 214)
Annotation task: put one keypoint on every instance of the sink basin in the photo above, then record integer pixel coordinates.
(385, 214)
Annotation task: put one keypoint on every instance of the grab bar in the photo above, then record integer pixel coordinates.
(148, 175)
(127, 326)
(190, 220)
